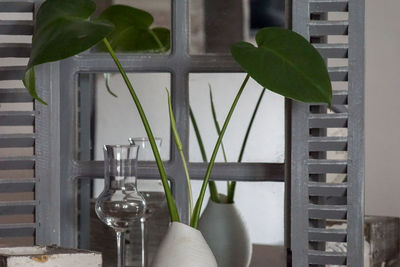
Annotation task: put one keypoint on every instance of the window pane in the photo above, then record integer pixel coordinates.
(159, 9)
(267, 131)
(216, 24)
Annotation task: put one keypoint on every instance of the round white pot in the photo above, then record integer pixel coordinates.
(183, 246)
(226, 234)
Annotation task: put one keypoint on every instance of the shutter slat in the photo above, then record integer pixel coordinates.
(15, 50)
(19, 232)
(337, 212)
(12, 73)
(17, 140)
(19, 207)
(324, 28)
(340, 97)
(321, 166)
(17, 118)
(328, 143)
(327, 189)
(17, 163)
(15, 96)
(17, 185)
(16, 27)
(16, 6)
(324, 258)
(336, 120)
(333, 50)
(322, 6)
(339, 74)
(327, 235)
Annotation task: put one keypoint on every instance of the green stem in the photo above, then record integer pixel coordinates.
(232, 185)
(213, 187)
(180, 149)
(173, 211)
(107, 78)
(217, 127)
(162, 47)
(194, 222)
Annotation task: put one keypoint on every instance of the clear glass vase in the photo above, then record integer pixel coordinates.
(120, 204)
(152, 191)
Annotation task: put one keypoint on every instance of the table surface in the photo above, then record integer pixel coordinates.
(266, 255)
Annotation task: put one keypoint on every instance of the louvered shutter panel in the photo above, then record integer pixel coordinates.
(17, 134)
(327, 163)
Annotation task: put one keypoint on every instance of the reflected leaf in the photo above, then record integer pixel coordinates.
(132, 32)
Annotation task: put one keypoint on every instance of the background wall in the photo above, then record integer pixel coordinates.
(382, 107)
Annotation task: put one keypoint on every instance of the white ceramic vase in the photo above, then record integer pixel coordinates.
(225, 232)
(183, 246)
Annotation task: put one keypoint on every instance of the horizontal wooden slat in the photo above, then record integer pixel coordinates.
(17, 163)
(336, 120)
(15, 50)
(321, 166)
(338, 212)
(16, 6)
(338, 74)
(17, 185)
(322, 6)
(15, 96)
(326, 258)
(340, 97)
(17, 230)
(12, 73)
(327, 189)
(20, 207)
(327, 143)
(16, 27)
(324, 28)
(327, 235)
(333, 50)
(17, 140)
(17, 118)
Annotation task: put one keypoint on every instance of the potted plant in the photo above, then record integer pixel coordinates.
(283, 62)
(221, 223)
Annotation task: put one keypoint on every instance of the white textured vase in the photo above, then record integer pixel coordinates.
(226, 234)
(183, 246)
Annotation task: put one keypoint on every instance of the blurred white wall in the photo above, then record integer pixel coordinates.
(382, 107)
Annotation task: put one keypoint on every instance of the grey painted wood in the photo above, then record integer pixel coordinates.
(12, 72)
(15, 50)
(324, 28)
(322, 257)
(356, 152)
(16, 6)
(17, 185)
(329, 5)
(324, 235)
(17, 163)
(18, 207)
(16, 27)
(16, 118)
(17, 95)
(17, 140)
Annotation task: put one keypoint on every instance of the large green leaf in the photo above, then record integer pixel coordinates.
(287, 64)
(62, 30)
(132, 32)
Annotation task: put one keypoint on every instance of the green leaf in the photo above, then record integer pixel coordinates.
(62, 30)
(132, 31)
(287, 64)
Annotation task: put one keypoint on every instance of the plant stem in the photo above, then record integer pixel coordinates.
(213, 187)
(173, 211)
(217, 127)
(180, 149)
(194, 222)
(232, 185)
(162, 47)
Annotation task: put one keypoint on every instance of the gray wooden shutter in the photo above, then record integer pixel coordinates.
(319, 205)
(17, 217)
